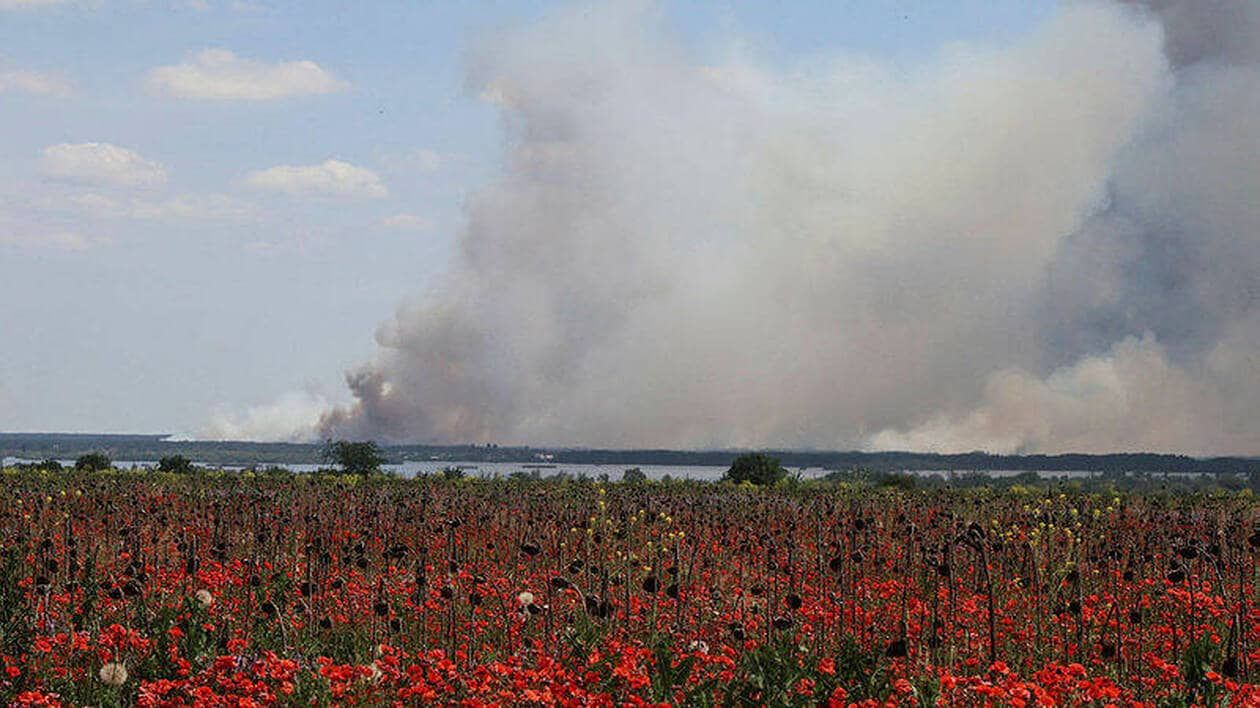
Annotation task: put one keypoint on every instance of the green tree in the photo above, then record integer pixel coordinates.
(93, 462)
(362, 457)
(756, 468)
(175, 463)
(634, 475)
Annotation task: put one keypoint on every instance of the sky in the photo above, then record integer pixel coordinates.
(1004, 226)
(146, 296)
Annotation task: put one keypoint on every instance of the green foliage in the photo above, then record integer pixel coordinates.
(16, 624)
(898, 481)
(756, 468)
(93, 462)
(343, 642)
(583, 636)
(361, 458)
(452, 473)
(1196, 662)
(634, 475)
(767, 675)
(862, 673)
(668, 675)
(176, 464)
(772, 673)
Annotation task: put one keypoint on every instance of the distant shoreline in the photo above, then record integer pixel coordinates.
(152, 447)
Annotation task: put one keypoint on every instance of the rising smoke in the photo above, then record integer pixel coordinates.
(1042, 246)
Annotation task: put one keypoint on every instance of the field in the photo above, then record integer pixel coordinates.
(139, 588)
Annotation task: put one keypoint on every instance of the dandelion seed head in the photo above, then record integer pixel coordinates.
(113, 674)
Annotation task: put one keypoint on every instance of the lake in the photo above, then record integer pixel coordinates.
(547, 469)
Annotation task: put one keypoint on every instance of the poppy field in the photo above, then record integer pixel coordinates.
(153, 589)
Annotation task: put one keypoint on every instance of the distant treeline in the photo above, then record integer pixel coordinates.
(38, 446)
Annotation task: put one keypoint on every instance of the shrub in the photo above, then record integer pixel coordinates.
(177, 464)
(634, 475)
(362, 458)
(897, 480)
(756, 468)
(93, 462)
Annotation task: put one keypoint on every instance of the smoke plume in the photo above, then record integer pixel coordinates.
(1047, 245)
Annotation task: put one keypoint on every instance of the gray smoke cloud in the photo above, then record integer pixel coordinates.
(1149, 315)
(1046, 245)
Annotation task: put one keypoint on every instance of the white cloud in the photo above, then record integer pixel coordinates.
(419, 160)
(261, 248)
(332, 177)
(101, 163)
(220, 75)
(182, 207)
(19, 80)
(296, 243)
(25, 232)
(27, 224)
(427, 160)
(61, 240)
(243, 6)
(423, 159)
(407, 222)
(30, 4)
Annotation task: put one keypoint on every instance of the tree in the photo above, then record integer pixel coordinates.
(93, 462)
(756, 468)
(634, 475)
(177, 464)
(897, 480)
(362, 458)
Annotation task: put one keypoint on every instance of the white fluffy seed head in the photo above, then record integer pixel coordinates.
(526, 598)
(113, 674)
(204, 598)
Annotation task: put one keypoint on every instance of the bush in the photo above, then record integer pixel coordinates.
(362, 458)
(177, 464)
(93, 462)
(634, 475)
(897, 480)
(756, 468)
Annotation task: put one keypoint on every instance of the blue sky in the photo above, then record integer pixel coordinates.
(205, 205)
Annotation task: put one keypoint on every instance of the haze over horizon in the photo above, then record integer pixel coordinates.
(630, 224)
